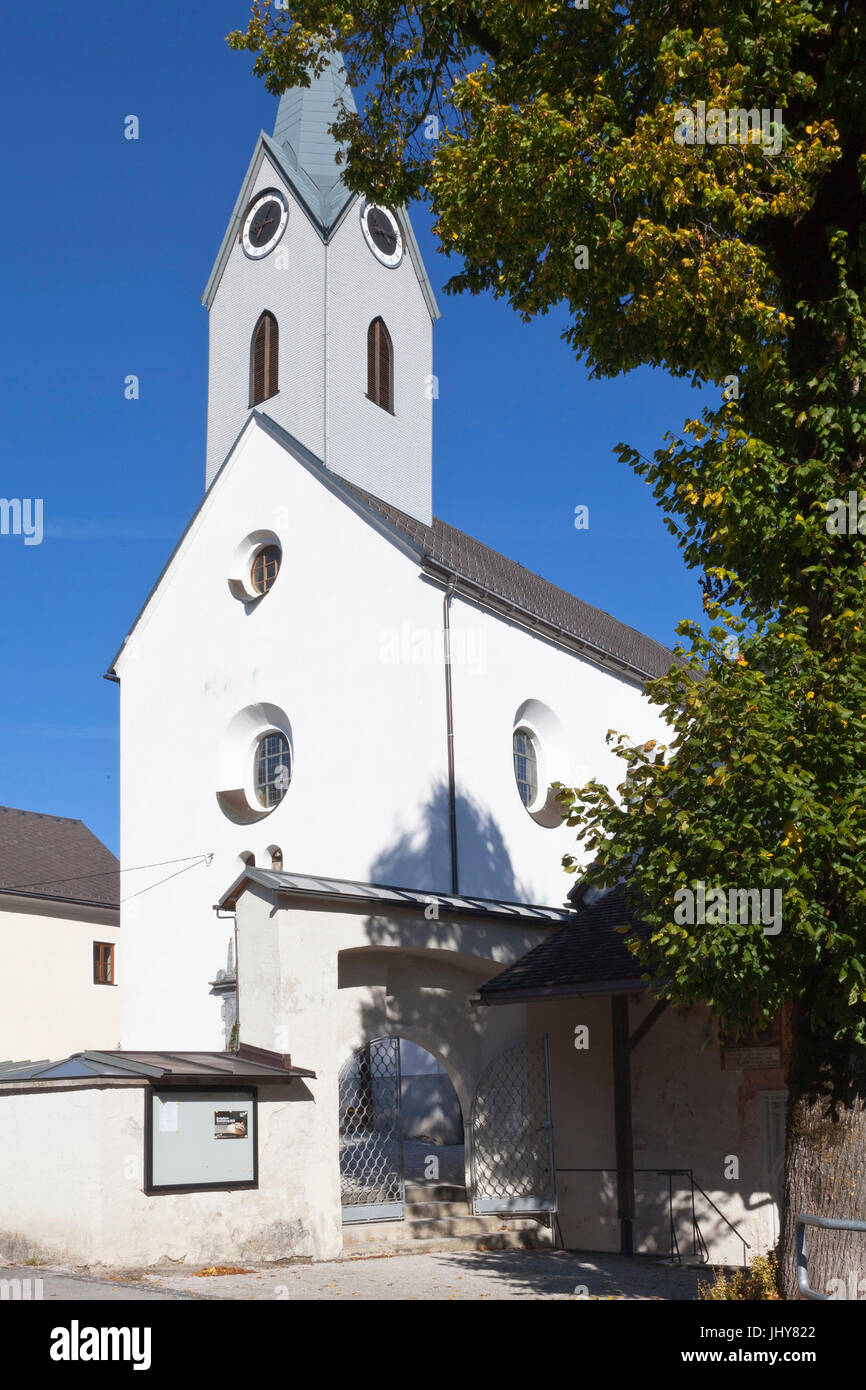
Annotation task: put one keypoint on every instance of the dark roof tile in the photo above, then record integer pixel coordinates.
(511, 584)
(53, 857)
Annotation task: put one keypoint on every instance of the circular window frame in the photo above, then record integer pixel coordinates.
(240, 575)
(237, 795)
(551, 759)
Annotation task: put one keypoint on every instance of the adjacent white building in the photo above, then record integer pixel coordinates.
(59, 934)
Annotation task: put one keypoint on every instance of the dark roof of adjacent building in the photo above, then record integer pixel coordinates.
(156, 1067)
(587, 956)
(383, 895)
(53, 857)
(526, 593)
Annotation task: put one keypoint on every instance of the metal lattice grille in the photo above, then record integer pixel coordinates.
(512, 1144)
(371, 1142)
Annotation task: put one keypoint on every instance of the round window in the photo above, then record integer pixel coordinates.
(265, 568)
(273, 770)
(526, 766)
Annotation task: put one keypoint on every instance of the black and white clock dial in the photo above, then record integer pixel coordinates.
(382, 234)
(264, 223)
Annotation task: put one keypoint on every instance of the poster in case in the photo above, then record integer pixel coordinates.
(230, 1124)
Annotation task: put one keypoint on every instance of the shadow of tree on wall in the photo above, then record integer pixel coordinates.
(420, 858)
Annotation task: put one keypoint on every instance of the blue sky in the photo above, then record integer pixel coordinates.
(106, 247)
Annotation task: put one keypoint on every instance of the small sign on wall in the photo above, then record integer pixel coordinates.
(752, 1058)
(197, 1139)
(230, 1124)
(757, 1049)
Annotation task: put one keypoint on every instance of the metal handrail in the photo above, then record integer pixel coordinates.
(825, 1223)
(708, 1198)
(697, 1234)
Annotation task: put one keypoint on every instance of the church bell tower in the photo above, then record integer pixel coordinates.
(321, 313)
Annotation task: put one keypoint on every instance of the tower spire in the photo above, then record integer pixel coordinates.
(301, 128)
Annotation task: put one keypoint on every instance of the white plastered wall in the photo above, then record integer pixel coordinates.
(348, 645)
(72, 1188)
(51, 1006)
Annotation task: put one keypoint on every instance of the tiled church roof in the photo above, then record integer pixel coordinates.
(527, 593)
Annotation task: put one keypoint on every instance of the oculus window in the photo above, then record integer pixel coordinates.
(273, 769)
(525, 766)
(265, 568)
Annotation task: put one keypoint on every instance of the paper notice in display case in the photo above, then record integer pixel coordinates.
(168, 1117)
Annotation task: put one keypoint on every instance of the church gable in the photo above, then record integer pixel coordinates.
(270, 490)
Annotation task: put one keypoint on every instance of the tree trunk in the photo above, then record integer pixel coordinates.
(825, 1164)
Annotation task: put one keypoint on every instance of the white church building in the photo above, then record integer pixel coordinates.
(363, 1010)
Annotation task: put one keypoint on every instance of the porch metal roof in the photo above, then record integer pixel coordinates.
(151, 1066)
(383, 895)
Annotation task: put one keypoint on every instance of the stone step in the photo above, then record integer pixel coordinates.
(538, 1239)
(435, 1192)
(414, 1229)
(417, 1211)
(427, 1228)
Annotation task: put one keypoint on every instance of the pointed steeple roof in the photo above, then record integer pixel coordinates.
(304, 153)
(301, 133)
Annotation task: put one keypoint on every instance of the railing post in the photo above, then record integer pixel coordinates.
(824, 1223)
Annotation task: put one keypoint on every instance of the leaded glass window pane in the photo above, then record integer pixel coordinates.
(525, 766)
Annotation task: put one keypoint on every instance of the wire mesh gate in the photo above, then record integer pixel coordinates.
(371, 1134)
(511, 1133)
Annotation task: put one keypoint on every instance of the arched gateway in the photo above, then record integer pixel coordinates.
(510, 1132)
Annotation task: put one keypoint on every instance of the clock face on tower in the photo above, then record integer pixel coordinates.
(264, 223)
(382, 234)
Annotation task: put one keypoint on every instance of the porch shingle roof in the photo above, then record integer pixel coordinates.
(586, 956)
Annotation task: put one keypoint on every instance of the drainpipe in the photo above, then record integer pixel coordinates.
(449, 725)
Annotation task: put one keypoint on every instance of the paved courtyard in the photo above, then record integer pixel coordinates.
(466, 1275)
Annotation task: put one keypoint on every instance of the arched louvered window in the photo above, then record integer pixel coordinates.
(380, 366)
(264, 356)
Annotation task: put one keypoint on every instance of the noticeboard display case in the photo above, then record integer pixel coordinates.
(197, 1139)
